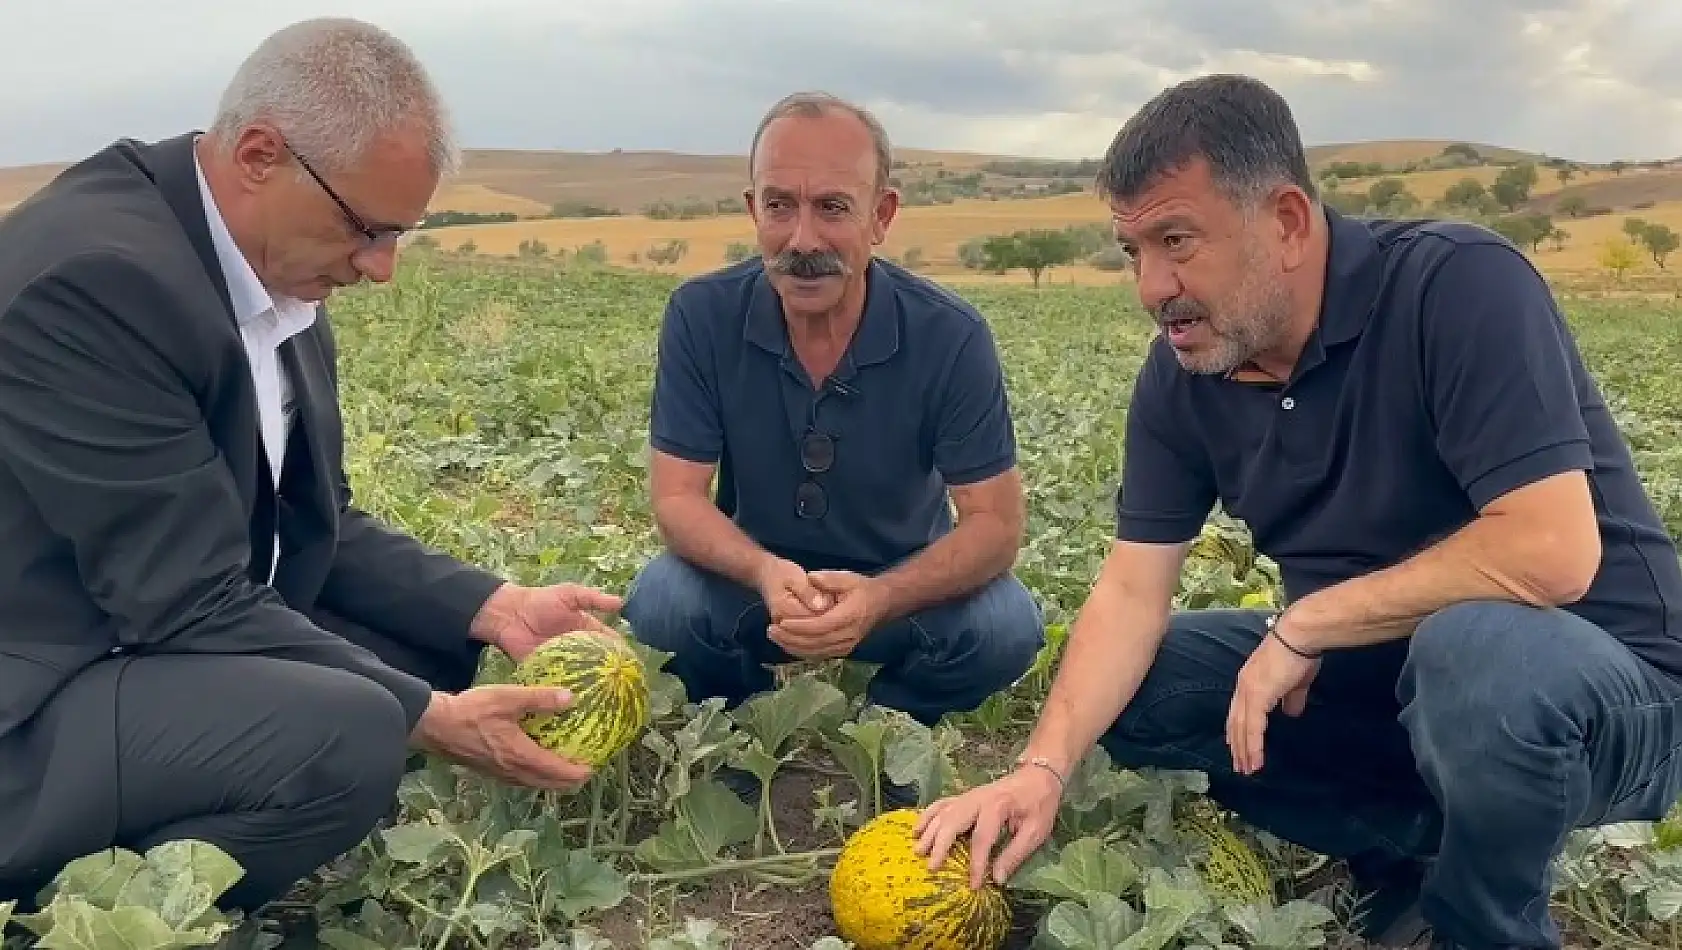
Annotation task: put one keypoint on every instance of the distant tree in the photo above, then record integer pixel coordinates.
(1462, 150)
(1573, 206)
(1035, 250)
(738, 251)
(1390, 196)
(1525, 230)
(593, 253)
(1512, 186)
(1660, 241)
(1618, 256)
(1468, 192)
(532, 247)
(668, 253)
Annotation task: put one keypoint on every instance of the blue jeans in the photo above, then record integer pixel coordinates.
(1500, 729)
(948, 658)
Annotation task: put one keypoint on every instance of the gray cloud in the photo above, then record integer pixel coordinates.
(1579, 78)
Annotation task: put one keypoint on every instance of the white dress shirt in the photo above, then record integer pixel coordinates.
(265, 322)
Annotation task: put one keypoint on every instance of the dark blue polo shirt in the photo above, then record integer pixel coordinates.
(1441, 376)
(917, 402)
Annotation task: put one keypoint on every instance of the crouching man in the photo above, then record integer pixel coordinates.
(843, 405)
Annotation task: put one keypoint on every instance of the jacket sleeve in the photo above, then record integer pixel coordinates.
(389, 581)
(104, 431)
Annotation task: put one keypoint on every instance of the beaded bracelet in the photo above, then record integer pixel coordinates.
(1044, 763)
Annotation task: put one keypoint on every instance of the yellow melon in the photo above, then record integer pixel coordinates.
(884, 897)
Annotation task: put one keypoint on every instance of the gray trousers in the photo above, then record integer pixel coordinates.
(284, 765)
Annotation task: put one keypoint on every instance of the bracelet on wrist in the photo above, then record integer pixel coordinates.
(1273, 631)
(1040, 761)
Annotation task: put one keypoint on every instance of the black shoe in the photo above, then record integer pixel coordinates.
(746, 786)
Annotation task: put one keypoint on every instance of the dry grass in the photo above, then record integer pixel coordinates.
(1588, 236)
(1398, 152)
(936, 229)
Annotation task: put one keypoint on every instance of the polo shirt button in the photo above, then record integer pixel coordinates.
(1287, 403)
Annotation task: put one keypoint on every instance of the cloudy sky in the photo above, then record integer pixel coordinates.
(1587, 79)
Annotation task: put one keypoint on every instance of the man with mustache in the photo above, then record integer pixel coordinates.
(1480, 651)
(841, 401)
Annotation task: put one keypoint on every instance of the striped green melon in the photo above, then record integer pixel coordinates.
(610, 701)
(884, 897)
(1233, 870)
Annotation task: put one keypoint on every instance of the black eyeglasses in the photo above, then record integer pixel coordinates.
(817, 456)
(373, 236)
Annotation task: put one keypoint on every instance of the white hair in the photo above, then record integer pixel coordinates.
(333, 86)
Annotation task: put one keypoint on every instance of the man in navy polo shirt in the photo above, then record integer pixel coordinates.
(1480, 651)
(842, 402)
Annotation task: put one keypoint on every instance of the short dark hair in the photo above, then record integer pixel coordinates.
(1240, 126)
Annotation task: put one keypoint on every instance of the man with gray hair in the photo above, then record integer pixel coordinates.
(204, 638)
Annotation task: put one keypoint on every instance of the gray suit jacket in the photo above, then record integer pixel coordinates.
(136, 504)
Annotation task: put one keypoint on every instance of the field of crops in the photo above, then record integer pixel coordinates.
(498, 410)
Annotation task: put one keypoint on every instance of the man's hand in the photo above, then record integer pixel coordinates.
(1274, 675)
(480, 728)
(835, 632)
(788, 591)
(518, 619)
(1024, 802)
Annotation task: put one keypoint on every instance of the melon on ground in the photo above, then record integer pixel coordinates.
(884, 897)
(610, 696)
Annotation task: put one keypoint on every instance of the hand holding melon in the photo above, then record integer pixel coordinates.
(610, 704)
(481, 728)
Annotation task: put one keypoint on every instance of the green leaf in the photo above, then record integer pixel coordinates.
(1664, 900)
(1097, 922)
(1171, 901)
(416, 843)
(804, 702)
(717, 817)
(79, 925)
(581, 884)
(1088, 865)
(98, 878)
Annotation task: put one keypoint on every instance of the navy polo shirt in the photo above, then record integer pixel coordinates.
(1441, 376)
(917, 403)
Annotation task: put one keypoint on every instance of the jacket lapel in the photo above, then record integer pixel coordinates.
(170, 164)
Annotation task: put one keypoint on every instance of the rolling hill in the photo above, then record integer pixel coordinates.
(635, 201)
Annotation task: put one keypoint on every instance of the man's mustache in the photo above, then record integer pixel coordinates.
(809, 265)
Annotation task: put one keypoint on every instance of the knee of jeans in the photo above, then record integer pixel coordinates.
(666, 603)
(1479, 678)
(1187, 691)
(995, 636)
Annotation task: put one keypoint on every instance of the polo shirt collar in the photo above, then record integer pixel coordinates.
(1352, 271)
(876, 339)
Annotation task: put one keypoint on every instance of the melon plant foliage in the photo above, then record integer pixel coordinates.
(499, 412)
